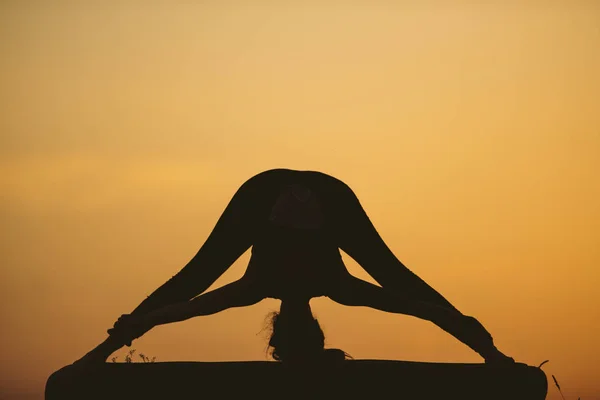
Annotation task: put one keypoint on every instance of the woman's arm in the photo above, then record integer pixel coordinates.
(240, 293)
(130, 327)
(169, 314)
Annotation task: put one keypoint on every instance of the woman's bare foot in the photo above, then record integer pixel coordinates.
(472, 333)
(497, 357)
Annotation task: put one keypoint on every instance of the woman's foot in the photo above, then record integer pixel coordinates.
(498, 358)
(486, 347)
(472, 333)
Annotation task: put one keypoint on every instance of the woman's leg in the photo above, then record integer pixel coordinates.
(352, 291)
(232, 235)
(356, 235)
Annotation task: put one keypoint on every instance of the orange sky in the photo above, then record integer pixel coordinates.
(471, 134)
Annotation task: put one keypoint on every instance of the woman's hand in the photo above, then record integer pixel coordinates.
(118, 327)
(119, 323)
(129, 327)
(498, 358)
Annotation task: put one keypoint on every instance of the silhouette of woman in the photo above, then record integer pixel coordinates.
(296, 223)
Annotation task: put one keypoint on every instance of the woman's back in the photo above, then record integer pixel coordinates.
(294, 252)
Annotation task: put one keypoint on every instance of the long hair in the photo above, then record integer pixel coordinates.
(297, 337)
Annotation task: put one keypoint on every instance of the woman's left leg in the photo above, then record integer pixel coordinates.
(355, 234)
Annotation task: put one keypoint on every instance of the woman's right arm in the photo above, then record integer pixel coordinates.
(240, 293)
(169, 314)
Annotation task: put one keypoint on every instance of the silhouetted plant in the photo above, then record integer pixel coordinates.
(129, 357)
(556, 382)
(558, 386)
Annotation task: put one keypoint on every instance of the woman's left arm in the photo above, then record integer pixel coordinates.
(168, 314)
(130, 327)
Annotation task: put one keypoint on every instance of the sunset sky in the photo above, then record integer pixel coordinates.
(471, 135)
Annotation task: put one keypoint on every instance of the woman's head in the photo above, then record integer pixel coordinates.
(297, 337)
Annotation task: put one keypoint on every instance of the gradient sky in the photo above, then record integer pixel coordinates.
(470, 133)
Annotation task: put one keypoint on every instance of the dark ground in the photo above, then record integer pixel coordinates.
(353, 379)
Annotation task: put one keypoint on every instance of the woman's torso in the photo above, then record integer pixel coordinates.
(294, 252)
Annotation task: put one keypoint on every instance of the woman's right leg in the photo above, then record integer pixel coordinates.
(232, 235)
